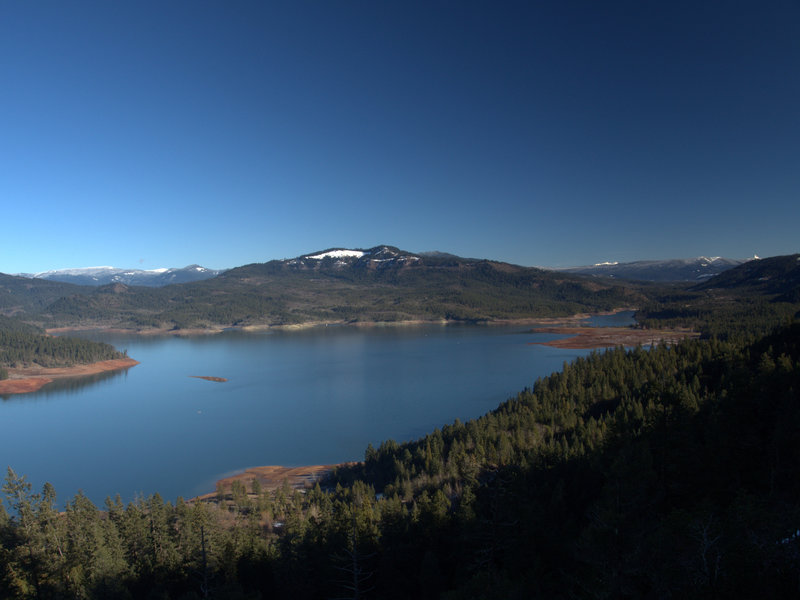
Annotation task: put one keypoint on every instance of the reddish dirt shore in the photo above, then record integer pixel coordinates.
(30, 379)
(272, 477)
(603, 337)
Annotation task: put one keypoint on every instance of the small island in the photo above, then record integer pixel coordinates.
(209, 378)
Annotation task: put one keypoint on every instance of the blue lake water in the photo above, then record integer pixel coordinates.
(313, 396)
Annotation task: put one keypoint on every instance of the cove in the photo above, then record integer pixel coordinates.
(315, 396)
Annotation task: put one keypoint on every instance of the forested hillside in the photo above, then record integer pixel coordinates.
(663, 472)
(670, 472)
(383, 284)
(24, 296)
(689, 269)
(24, 345)
(752, 298)
(19, 349)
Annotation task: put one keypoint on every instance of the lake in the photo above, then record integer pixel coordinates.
(314, 396)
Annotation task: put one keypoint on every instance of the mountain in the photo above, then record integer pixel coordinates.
(341, 285)
(750, 299)
(104, 275)
(778, 275)
(20, 295)
(386, 284)
(680, 269)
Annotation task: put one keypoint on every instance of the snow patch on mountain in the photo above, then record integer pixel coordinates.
(81, 271)
(338, 254)
(105, 275)
(679, 269)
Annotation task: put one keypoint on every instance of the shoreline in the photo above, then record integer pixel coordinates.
(31, 379)
(215, 329)
(270, 478)
(587, 338)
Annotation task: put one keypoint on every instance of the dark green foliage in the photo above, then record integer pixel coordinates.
(774, 275)
(663, 473)
(20, 295)
(669, 472)
(22, 344)
(13, 325)
(20, 349)
(743, 303)
(405, 287)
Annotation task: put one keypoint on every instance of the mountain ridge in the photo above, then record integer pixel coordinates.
(97, 276)
(362, 285)
(337, 285)
(668, 270)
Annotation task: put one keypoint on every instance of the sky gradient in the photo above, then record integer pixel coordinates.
(159, 134)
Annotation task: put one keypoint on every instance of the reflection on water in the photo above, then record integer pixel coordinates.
(67, 385)
(622, 318)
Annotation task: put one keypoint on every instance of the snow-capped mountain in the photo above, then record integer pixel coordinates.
(342, 257)
(680, 269)
(106, 275)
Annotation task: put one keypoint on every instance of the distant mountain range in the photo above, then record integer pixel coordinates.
(105, 275)
(680, 269)
(778, 277)
(687, 269)
(753, 297)
(384, 284)
(337, 285)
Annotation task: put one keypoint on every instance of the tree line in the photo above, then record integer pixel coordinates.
(669, 472)
(20, 348)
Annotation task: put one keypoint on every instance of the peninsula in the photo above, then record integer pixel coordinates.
(606, 337)
(32, 378)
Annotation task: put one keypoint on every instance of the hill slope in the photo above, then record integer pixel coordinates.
(22, 295)
(668, 473)
(96, 276)
(381, 284)
(778, 275)
(681, 269)
(749, 299)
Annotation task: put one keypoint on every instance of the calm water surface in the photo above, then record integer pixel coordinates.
(292, 398)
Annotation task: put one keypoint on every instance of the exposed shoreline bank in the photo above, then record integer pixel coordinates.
(565, 321)
(30, 379)
(270, 478)
(585, 338)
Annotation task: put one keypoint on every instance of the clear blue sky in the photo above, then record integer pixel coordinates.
(158, 134)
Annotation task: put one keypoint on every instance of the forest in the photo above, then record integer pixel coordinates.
(632, 473)
(287, 292)
(23, 345)
(18, 349)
